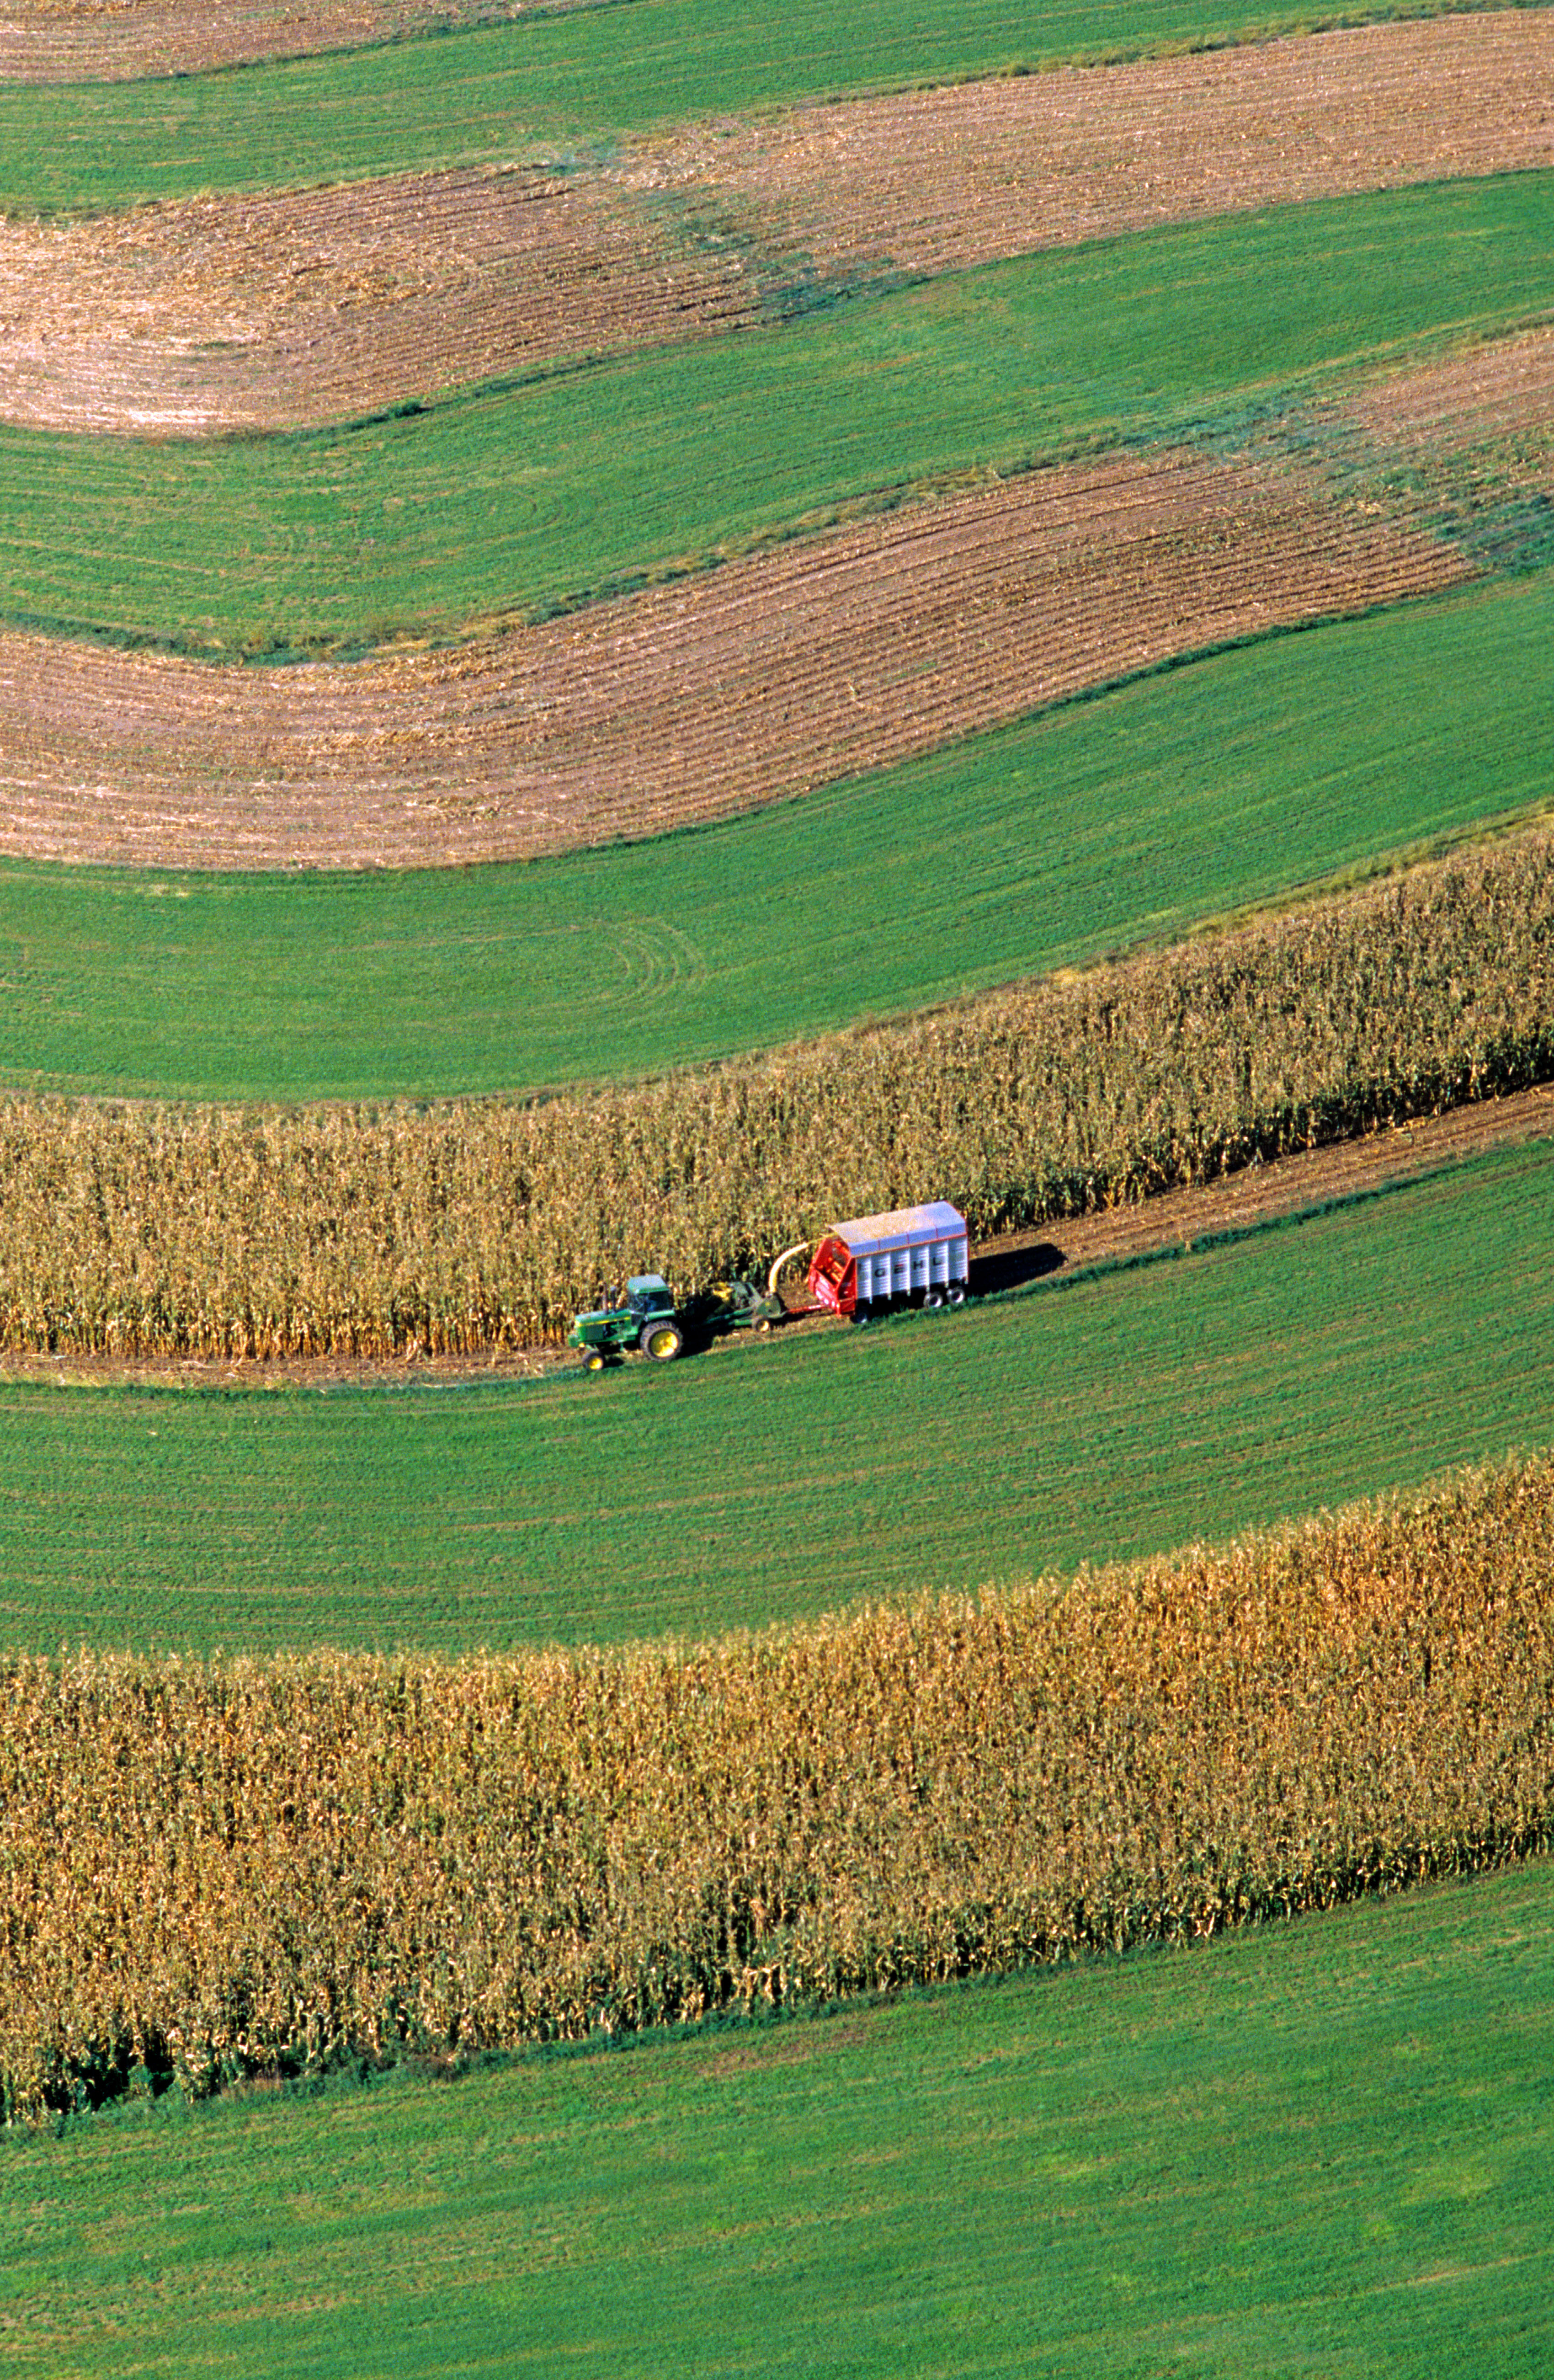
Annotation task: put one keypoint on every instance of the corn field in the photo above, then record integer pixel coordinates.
(217, 1231)
(213, 1871)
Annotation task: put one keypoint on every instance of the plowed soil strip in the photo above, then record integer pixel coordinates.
(256, 313)
(763, 679)
(1179, 1219)
(119, 41)
(1498, 394)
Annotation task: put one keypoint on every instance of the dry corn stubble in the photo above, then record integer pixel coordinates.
(355, 1232)
(223, 1869)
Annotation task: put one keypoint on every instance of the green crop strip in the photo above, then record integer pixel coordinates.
(1100, 826)
(1343, 2123)
(510, 503)
(1356, 1352)
(531, 88)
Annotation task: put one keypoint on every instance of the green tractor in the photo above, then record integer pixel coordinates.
(646, 1318)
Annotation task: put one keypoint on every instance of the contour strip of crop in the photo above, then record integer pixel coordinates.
(78, 41)
(222, 1869)
(257, 312)
(217, 1231)
(690, 701)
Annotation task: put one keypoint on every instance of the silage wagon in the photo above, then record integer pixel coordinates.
(914, 1256)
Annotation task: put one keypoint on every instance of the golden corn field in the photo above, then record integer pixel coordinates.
(217, 1870)
(366, 1231)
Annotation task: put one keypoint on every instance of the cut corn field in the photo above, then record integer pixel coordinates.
(222, 1231)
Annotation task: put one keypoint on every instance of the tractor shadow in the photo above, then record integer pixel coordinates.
(1013, 1268)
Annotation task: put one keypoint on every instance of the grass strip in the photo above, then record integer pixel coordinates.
(530, 90)
(1365, 1348)
(1090, 830)
(1345, 2124)
(229, 1869)
(512, 504)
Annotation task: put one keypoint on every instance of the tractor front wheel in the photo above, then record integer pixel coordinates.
(662, 1342)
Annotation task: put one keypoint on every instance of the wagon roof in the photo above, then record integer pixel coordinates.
(904, 1227)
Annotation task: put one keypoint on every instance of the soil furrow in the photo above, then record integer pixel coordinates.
(260, 312)
(121, 41)
(749, 684)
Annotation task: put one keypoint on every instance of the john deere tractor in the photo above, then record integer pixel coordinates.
(647, 1317)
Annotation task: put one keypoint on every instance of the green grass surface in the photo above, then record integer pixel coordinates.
(1327, 2147)
(1090, 828)
(522, 499)
(528, 89)
(1120, 1415)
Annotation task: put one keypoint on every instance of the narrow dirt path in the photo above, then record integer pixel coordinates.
(262, 312)
(1178, 1219)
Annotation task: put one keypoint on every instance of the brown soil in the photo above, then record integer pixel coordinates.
(120, 40)
(326, 304)
(258, 312)
(754, 681)
(1500, 394)
(1179, 1219)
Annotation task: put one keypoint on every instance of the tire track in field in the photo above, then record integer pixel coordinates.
(264, 312)
(752, 683)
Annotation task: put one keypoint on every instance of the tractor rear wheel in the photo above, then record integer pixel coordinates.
(662, 1342)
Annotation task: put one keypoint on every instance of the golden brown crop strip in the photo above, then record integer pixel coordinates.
(213, 1232)
(221, 1869)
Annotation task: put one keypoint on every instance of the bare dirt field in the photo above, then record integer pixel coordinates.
(1498, 394)
(231, 312)
(326, 304)
(1178, 1219)
(745, 684)
(119, 41)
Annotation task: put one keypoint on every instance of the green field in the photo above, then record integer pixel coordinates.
(1327, 2147)
(1124, 1414)
(1090, 828)
(534, 88)
(518, 500)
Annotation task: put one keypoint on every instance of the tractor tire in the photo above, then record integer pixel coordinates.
(662, 1342)
(595, 1360)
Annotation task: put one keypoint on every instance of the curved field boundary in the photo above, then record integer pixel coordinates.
(515, 503)
(123, 41)
(1356, 1351)
(1172, 1222)
(761, 681)
(1152, 2141)
(1089, 830)
(515, 90)
(264, 312)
